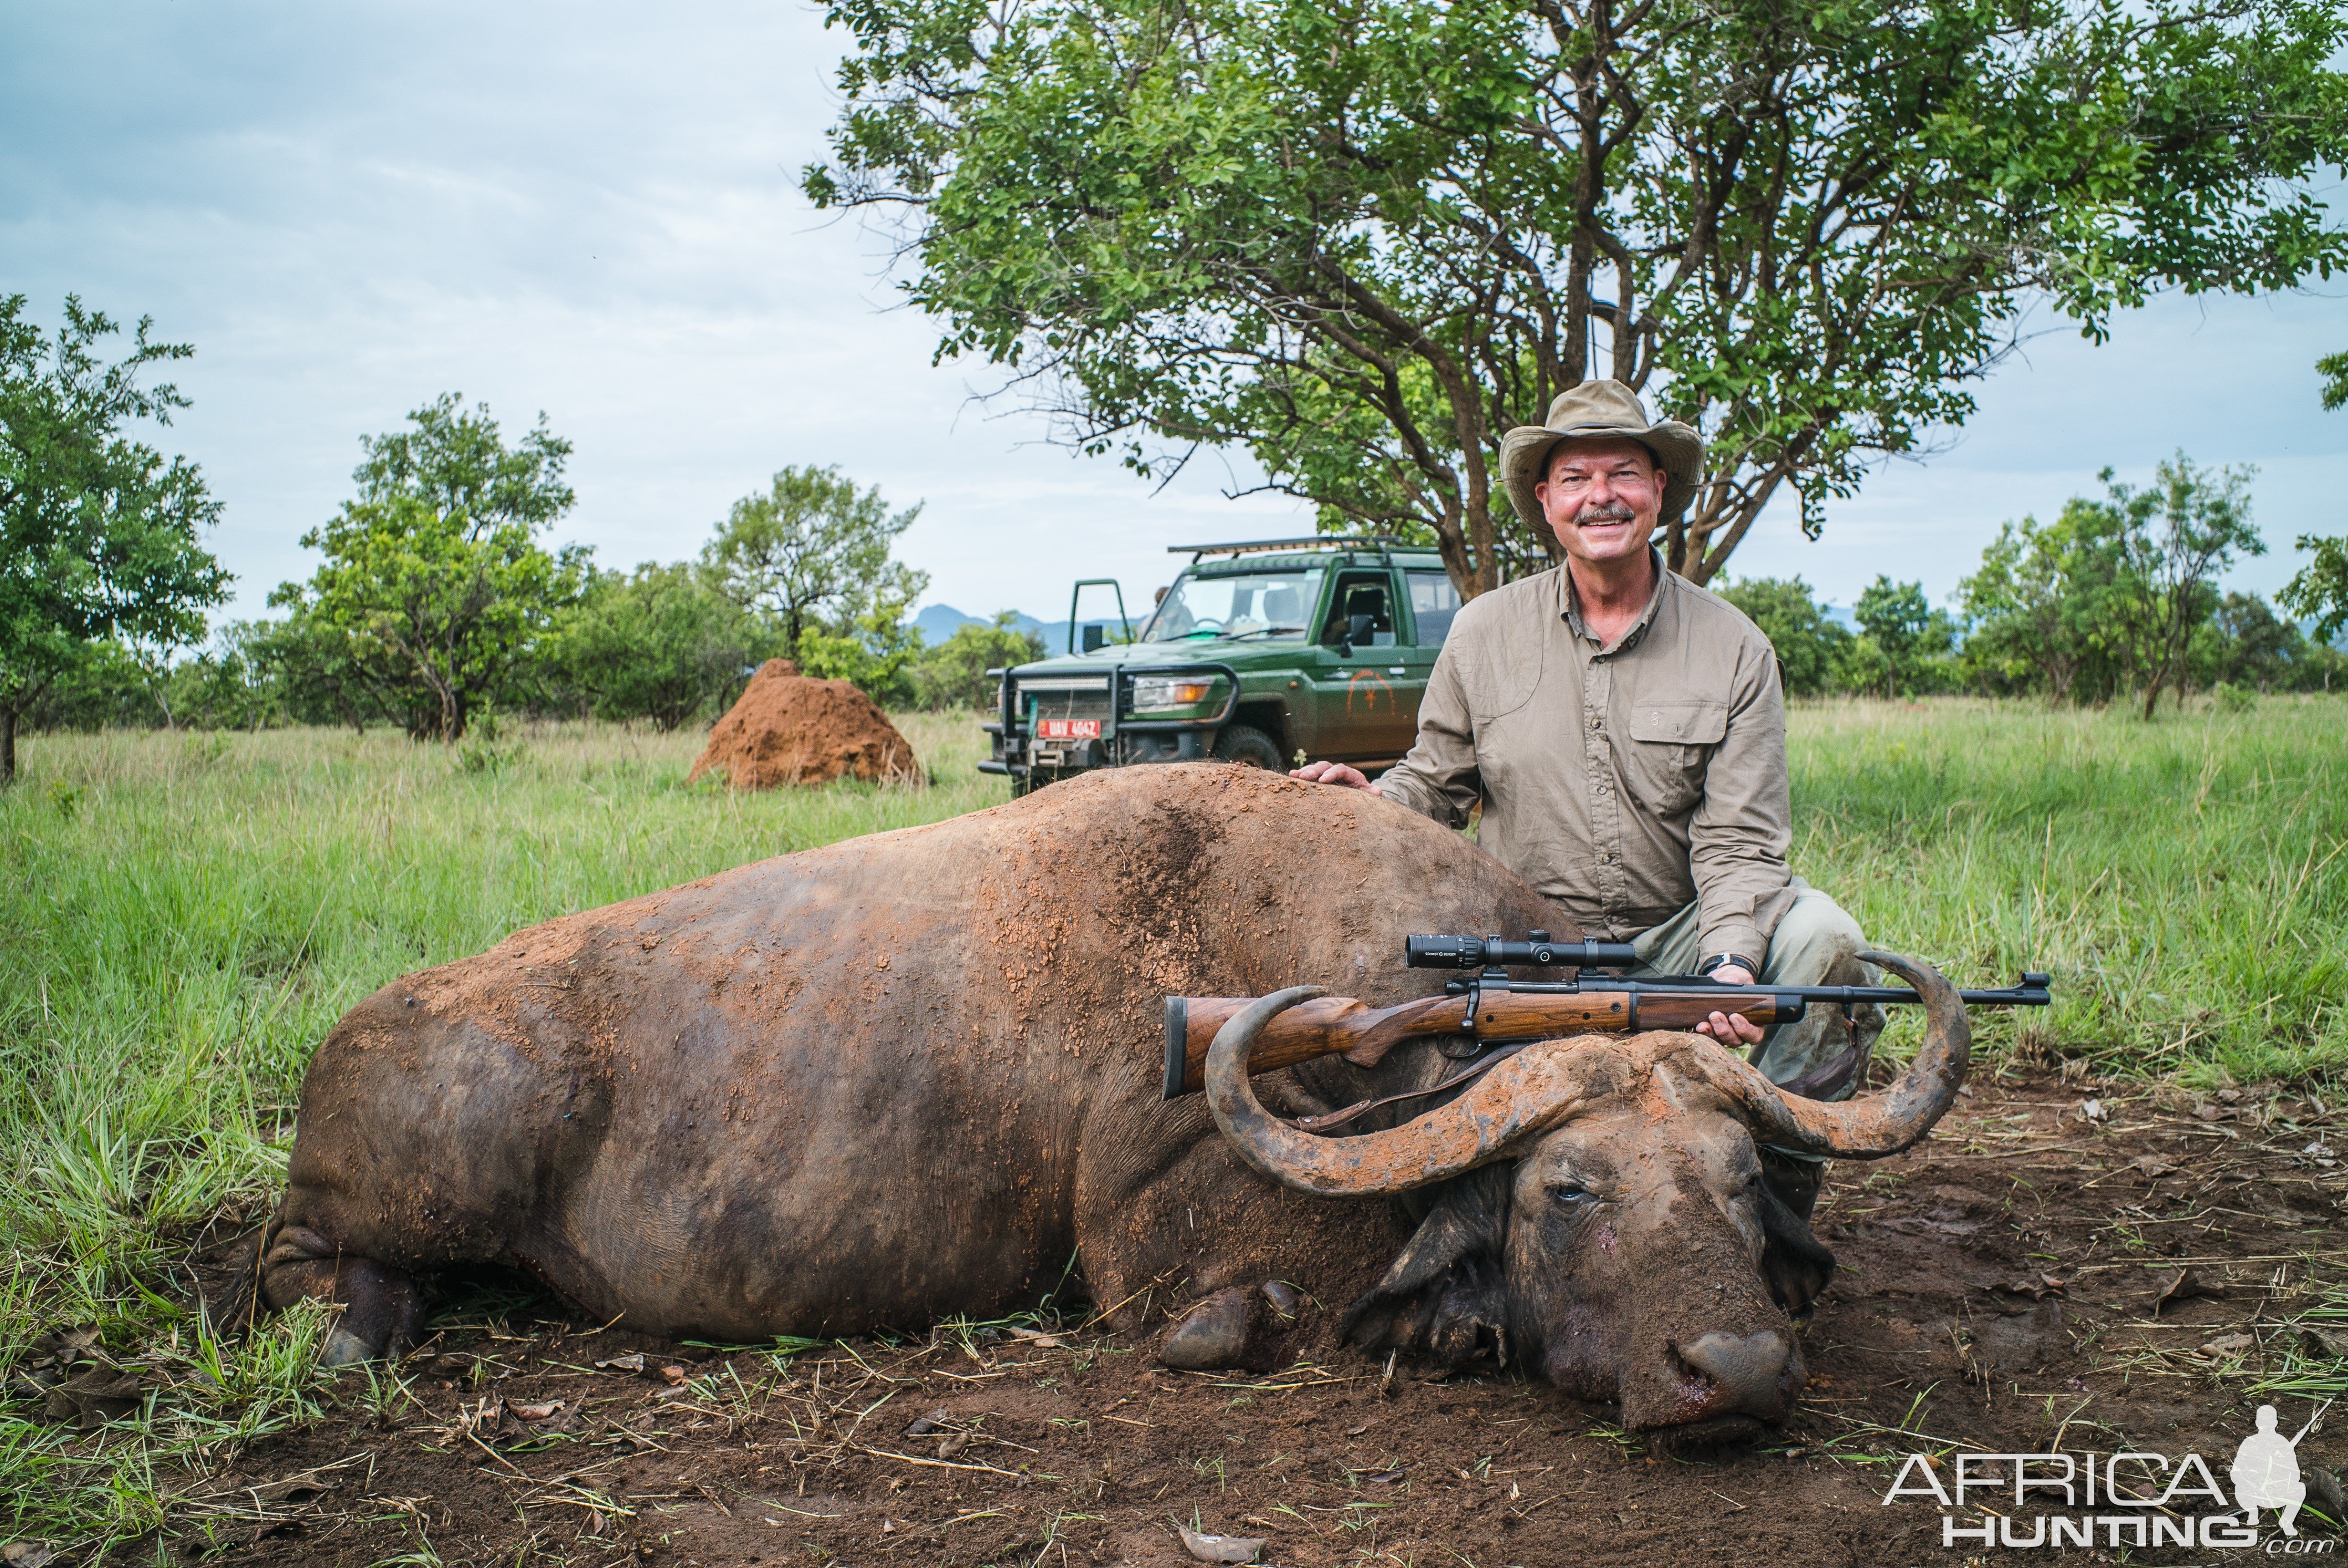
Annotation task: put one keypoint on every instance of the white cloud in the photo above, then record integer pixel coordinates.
(593, 211)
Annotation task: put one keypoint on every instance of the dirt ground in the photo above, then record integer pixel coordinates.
(789, 729)
(1999, 1290)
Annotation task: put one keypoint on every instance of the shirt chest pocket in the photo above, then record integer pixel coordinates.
(1672, 740)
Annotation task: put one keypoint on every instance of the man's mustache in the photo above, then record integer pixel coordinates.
(1605, 512)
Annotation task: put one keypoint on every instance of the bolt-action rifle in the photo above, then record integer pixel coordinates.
(1490, 1009)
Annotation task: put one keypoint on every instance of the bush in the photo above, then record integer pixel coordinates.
(954, 673)
(874, 650)
(659, 644)
(1913, 641)
(1808, 643)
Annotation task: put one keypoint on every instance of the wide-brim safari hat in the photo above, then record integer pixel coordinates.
(1598, 409)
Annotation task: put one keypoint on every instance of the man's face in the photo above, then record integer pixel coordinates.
(1602, 497)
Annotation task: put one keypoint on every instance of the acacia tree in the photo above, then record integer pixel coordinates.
(2174, 536)
(98, 532)
(1904, 628)
(1362, 240)
(2043, 604)
(434, 589)
(812, 549)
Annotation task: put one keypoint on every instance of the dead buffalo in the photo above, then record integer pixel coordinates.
(915, 1074)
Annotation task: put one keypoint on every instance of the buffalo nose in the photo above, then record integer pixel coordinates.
(1749, 1369)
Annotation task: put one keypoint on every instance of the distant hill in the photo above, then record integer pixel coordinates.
(939, 622)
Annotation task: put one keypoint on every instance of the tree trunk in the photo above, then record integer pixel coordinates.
(2152, 691)
(7, 746)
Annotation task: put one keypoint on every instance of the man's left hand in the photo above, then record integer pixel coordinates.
(1728, 1027)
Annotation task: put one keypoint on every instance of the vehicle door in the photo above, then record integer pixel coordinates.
(1433, 602)
(1364, 707)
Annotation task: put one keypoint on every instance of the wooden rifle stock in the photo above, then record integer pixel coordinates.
(1332, 1026)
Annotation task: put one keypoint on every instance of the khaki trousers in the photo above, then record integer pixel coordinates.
(1816, 944)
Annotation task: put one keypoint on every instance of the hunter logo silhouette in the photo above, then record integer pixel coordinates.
(2265, 1470)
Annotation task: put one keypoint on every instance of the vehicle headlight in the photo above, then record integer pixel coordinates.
(1155, 695)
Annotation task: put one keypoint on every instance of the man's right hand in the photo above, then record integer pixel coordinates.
(1332, 774)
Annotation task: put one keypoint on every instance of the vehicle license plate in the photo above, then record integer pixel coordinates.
(1068, 729)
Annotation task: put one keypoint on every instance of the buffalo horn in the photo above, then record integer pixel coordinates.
(1873, 1125)
(1533, 1090)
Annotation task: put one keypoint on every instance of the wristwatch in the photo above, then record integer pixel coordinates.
(1721, 960)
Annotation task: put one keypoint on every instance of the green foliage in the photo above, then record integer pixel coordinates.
(2040, 607)
(2112, 597)
(435, 592)
(811, 559)
(2333, 369)
(1809, 644)
(2174, 538)
(2245, 645)
(874, 648)
(2319, 588)
(954, 673)
(320, 673)
(102, 683)
(98, 532)
(436, 606)
(660, 644)
(234, 684)
(814, 550)
(1861, 668)
(1361, 241)
(1912, 638)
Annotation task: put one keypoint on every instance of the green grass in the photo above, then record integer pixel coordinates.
(183, 917)
(2184, 881)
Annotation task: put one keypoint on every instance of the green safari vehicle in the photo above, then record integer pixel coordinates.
(1258, 653)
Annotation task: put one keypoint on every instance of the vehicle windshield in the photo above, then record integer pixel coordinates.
(1271, 605)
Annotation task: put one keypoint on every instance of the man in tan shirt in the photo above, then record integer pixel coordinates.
(1625, 733)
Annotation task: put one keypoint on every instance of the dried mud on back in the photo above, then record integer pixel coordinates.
(2010, 1285)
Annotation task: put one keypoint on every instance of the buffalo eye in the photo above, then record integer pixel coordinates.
(1570, 1194)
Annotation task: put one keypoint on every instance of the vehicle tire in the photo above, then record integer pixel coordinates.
(1250, 747)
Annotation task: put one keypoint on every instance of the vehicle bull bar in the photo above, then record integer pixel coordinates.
(1121, 678)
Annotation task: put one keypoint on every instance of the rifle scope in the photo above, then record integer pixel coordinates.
(1539, 953)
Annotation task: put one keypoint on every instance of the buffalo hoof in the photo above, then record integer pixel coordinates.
(1214, 1335)
(345, 1348)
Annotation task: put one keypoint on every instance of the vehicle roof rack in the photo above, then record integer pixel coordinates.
(1315, 541)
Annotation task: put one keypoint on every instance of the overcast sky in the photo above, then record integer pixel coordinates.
(593, 211)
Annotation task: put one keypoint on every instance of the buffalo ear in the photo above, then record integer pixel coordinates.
(1443, 1296)
(1796, 1266)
